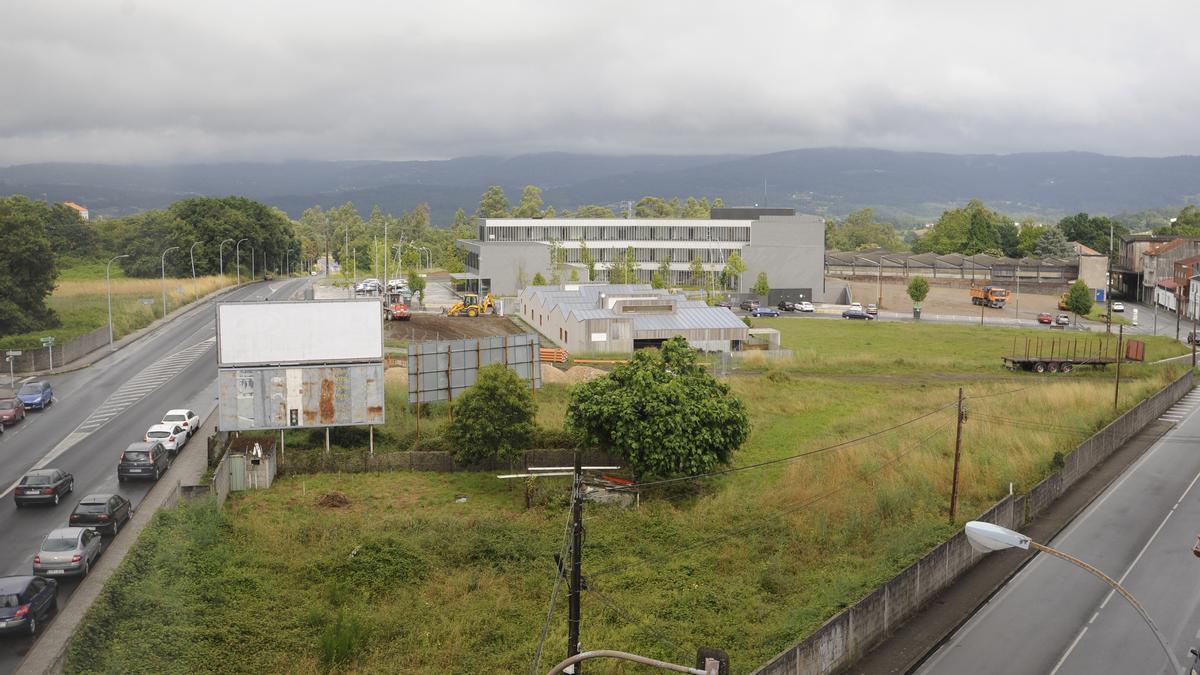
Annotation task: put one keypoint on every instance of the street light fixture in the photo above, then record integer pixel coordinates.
(164, 278)
(192, 257)
(237, 250)
(879, 265)
(221, 258)
(988, 537)
(108, 285)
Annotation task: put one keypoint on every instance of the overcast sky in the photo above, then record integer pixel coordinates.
(192, 80)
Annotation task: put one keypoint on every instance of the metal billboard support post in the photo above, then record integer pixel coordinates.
(326, 441)
(371, 447)
(450, 383)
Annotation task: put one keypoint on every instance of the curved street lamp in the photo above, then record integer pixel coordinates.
(221, 256)
(237, 250)
(987, 537)
(164, 278)
(108, 286)
(192, 257)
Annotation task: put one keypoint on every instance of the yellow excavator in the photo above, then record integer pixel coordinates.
(470, 305)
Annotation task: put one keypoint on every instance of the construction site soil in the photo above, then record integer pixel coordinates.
(441, 327)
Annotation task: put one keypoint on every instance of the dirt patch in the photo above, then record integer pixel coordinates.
(954, 301)
(397, 375)
(583, 374)
(333, 500)
(441, 327)
(552, 375)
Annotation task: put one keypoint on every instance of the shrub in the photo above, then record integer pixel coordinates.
(494, 418)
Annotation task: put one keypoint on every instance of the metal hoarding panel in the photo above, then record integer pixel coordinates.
(300, 396)
(442, 369)
(279, 333)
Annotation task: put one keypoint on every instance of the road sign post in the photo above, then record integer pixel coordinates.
(11, 355)
(48, 343)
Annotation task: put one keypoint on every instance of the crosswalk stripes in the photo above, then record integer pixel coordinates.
(142, 384)
(1182, 408)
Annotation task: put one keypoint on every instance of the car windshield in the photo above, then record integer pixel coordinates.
(58, 544)
(30, 389)
(10, 601)
(37, 479)
(158, 434)
(7, 404)
(174, 418)
(90, 508)
(136, 456)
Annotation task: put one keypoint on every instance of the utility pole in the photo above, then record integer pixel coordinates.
(1178, 311)
(576, 579)
(1120, 346)
(957, 455)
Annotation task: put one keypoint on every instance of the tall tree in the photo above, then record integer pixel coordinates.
(493, 203)
(652, 207)
(531, 203)
(594, 211)
(27, 266)
(1093, 231)
(762, 287)
(860, 231)
(588, 260)
(1079, 299)
(696, 268)
(1054, 244)
(1028, 238)
(735, 267)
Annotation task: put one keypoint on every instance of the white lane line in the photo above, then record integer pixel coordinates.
(1069, 649)
(63, 445)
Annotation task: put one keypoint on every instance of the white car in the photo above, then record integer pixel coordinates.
(1118, 307)
(856, 306)
(805, 306)
(171, 436)
(184, 418)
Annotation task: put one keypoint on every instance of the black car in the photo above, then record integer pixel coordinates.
(26, 602)
(102, 512)
(749, 305)
(857, 314)
(142, 460)
(785, 306)
(724, 303)
(43, 486)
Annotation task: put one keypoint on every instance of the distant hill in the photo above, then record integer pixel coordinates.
(906, 186)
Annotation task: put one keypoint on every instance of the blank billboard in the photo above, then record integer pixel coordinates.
(300, 396)
(281, 333)
(443, 369)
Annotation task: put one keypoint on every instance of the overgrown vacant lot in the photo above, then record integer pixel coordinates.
(406, 578)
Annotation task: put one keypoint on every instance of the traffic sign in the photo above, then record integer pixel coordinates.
(48, 341)
(13, 352)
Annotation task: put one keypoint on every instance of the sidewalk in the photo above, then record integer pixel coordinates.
(49, 652)
(921, 635)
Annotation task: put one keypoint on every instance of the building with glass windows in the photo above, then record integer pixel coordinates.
(789, 248)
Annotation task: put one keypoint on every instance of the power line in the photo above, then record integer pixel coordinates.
(799, 507)
(562, 551)
(1030, 424)
(671, 646)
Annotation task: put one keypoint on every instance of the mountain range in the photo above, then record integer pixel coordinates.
(905, 187)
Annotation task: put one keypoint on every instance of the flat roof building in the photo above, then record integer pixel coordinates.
(789, 248)
(624, 317)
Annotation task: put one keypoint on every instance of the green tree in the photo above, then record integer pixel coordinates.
(694, 208)
(1079, 299)
(28, 266)
(696, 268)
(661, 413)
(918, 289)
(1028, 238)
(539, 280)
(732, 273)
(594, 211)
(969, 230)
(493, 203)
(416, 284)
(531, 203)
(588, 260)
(498, 411)
(1054, 244)
(1093, 231)
(652, 207)
(860, 232)
(558, 259)
(461, 222)
(574, 275)
(664, 273)
(762, 287)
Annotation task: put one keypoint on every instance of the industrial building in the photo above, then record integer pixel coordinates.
(624, 317)
(789, 248)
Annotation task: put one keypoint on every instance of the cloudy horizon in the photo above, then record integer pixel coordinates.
(121, 81)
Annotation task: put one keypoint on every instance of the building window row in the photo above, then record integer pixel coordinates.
(500, 232)
(654, 255)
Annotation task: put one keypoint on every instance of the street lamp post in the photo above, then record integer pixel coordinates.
(1018, 292)
(988, 537)
(221, 258)
(108, 285)
(164, 278)
(192, 257)
(237, 250)
(879, 274)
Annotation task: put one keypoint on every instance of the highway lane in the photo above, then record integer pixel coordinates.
(1053, 617)
(98, 411)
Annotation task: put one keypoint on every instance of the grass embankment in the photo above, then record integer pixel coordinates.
(748, 562)
(82, 304)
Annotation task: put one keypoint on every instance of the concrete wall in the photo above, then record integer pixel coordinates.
(790, 249)
(435, 461)
(1093, 269)
(32, 360)
(851, 633)
(505, 262)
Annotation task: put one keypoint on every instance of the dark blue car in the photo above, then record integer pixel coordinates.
(26, 603)
(764, 311)
(36, 394)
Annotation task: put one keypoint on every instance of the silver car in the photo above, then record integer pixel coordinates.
(67, 551)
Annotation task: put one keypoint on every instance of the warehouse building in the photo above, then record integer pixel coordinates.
(789, 248)
(624, 317)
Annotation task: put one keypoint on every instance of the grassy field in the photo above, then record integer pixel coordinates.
(81, 302)
(748, 562)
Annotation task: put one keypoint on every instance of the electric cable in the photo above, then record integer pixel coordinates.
(672, 647)
(559, 573)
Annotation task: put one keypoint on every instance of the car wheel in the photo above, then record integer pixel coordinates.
(120, 478)
(157, 473)
(87, 568)
(33, 624)
(56, 499)
(19, 504)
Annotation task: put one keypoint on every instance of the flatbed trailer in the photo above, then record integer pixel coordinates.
(1062, 355)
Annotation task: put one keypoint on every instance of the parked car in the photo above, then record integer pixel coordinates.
(805, 306)
(43, 486)
(36, 394)
(856, 306)
(187, 419)
(1063, 319)
(749, 305)
(67, 551)
(142, 460)
(1191, 337)
(171, 436)
(728, 304)
(857, 314)
(1045, 318)
(26, 602)
(872, 309)
(1118, 307)
(785, 306)
(397, 285)
(103, 512)
(764, 311)
(12, 410)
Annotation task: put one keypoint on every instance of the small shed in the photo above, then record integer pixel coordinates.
(252, 463)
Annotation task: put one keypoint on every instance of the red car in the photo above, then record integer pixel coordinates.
(12, 410)
(1045, 318)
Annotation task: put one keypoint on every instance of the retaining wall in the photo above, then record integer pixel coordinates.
(32, 360)
(851, 633)
(435, 460)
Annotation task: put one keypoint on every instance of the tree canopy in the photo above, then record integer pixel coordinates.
(1093, 231)
(860, 231)
(1079, 298)
(970, 230)
(1053, 244)
(918, 289)
(495, 417)
(661, 412)
(28, 266)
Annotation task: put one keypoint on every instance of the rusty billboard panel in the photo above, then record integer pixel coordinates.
(300, 396)
(440, 370)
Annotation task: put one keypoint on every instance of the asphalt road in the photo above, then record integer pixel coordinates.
(97, 412)
(1054, 617)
